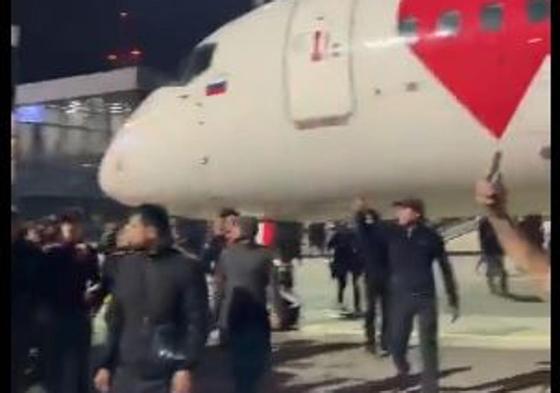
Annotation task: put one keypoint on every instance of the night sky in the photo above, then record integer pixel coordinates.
(70, 37)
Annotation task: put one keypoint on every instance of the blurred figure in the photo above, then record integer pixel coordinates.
(532, 259)
(493, 256)
(243, 275)
(32, 233)
(317, 237)
(108, 240)
(26, 271)
(346, 261)
(220, 235)
(532, 227)
(373, 251)
(73, 269)
(157, 327)
(50, 232)
(285, 303)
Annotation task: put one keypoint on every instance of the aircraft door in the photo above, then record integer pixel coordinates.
(318, 63)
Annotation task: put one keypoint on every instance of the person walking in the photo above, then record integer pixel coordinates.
(243, 275)
(492, 256)
(373, 252)
(412, 247)
(345, 262)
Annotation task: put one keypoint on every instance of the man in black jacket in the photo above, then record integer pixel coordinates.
(162, 293)
(372, 250)
(412, 247)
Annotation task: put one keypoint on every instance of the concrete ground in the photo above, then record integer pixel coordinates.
(498, 345)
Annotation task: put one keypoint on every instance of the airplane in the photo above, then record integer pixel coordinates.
(293, 110)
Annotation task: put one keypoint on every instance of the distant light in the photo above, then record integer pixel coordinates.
(30, 114)
(112, 57)
(135, 52)
(123, 14)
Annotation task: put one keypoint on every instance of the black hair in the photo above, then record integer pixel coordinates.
(156, 216)
(226, 212)
(73, 216)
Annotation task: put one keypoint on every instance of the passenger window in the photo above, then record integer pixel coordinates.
(538, 10)
(197, 62)
(408, 27)
(448, 24)
(492, 17)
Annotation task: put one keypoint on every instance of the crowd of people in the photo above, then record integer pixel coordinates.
(157, 299)
(160, 301)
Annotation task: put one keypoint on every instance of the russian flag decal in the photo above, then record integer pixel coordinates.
(216, 88)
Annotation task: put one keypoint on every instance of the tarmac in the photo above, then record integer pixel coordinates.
(498, 344)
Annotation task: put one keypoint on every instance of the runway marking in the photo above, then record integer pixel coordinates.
(526, 339)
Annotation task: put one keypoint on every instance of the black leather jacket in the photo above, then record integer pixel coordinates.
(150, 291)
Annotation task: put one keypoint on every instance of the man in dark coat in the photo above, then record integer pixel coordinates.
(346, 261)
(243, 276)
(372, 250)
(27, 265)
(158, 325)
(72, 269)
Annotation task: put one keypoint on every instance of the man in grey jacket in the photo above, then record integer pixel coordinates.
(243, 276)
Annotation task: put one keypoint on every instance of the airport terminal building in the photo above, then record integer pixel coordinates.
(62, 128)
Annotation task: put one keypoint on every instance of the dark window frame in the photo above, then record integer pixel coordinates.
(198, 61)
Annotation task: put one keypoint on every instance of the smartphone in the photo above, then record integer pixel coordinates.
(494, 175)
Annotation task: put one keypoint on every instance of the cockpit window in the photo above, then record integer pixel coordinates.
(198, 61)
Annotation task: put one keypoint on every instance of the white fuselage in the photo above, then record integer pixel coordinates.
(292, 138)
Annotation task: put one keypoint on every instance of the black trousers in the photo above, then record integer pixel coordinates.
(342, 279)
(404, 309)
(377, 294)
(249, 346)
(20, 345)
(67, 354)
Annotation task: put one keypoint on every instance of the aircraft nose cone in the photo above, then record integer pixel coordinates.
(115, 171)
(111, 174)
